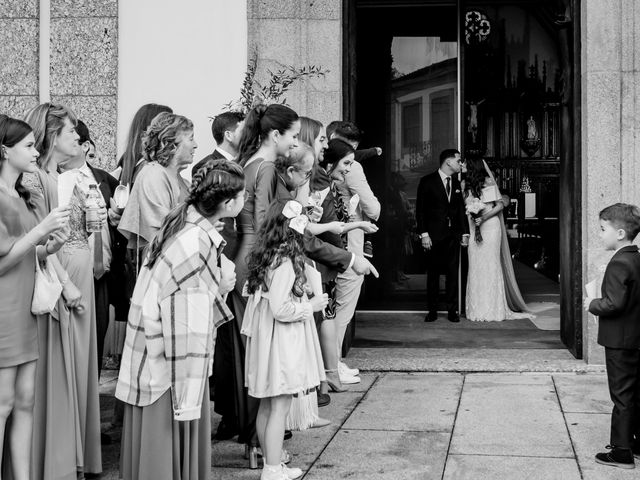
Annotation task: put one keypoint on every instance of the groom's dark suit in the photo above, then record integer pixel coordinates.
(445, 222)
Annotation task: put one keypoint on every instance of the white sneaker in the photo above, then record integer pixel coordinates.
(344, 369)
(275, 472)
(348, 379)
(291, 473)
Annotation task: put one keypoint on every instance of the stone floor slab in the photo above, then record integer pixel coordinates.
(473, 467)
(409, 402)
(305, 446)
(583, 393)
(376, 455)
(497, 417)
(366, 380)
(467, 360)
(589, 434)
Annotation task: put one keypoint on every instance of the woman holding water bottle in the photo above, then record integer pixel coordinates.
(67, 413)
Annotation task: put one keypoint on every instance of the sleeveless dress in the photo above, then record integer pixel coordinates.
(486, 298)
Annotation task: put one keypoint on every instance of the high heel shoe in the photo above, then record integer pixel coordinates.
(333, 380)
(251, 454)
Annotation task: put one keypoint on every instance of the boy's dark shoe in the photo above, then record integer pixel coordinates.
(432, 316)
(635, 448)
(616, 457)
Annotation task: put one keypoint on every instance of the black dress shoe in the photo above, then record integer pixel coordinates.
(431, 317)
(225, 431)
(323, 399)
(287, 434)
(616, 457)
(453, 317)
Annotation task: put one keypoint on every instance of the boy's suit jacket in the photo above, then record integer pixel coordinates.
(619, 307)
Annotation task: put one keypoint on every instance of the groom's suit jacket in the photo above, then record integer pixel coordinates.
(437, 215)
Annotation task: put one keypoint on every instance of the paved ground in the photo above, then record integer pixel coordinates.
(447, 425)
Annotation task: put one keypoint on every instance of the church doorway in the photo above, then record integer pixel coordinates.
(494, 79)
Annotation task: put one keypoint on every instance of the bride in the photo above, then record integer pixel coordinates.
(492, 290)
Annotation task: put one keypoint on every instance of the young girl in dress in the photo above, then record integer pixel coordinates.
(282, 353)
(177, 304)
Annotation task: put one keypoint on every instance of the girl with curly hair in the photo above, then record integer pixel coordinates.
(177, 305)
(283, 355)
(168, 147)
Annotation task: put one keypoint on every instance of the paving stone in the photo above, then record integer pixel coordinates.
(473, 467)
(583, 393)
(376, 455)
(467, 360)
(305, 445)
(411, 402)
(590, 434)
(498, 417)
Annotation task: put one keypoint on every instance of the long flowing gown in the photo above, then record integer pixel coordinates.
(66, 433)
(486, 297)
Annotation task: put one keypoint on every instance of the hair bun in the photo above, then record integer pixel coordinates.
(261, 109)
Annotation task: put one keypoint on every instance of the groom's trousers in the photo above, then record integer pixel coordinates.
(443, 259)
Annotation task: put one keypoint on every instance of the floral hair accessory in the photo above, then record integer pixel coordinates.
(297, 221)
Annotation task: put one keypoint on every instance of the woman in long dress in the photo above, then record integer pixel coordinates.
(492, 292)
(269, 131)
(67, 410)
(177, 304)
(20, 237)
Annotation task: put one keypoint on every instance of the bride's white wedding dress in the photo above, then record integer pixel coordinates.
(486, 299)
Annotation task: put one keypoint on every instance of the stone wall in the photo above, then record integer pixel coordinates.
(84, 62)
(610, 128)
(299, 33)
(19, 27)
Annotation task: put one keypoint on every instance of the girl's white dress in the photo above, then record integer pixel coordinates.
(283, 354)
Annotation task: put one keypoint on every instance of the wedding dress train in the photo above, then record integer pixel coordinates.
(489, 298)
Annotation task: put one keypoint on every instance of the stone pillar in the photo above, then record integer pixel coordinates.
(610, 128)
(84, 42)
(299, 33)
(19, 26)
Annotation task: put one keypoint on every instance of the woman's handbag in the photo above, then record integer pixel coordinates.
(47, 289)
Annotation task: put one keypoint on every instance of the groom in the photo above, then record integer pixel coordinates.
(443, 227)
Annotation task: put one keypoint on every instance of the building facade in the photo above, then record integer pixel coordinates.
(546, 91)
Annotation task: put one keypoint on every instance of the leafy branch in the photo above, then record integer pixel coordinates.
(274, 89)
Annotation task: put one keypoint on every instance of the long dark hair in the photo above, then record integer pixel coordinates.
(12, 132)
(475, 177)
(133, 150)
(213, 184)
(336, 151)
(276, 242)
(260, 121)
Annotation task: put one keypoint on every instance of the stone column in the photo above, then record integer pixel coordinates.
(610, 129)
(300, 33)
(19, 26)
(84, 42)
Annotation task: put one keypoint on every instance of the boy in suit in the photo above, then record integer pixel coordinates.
(619, 331)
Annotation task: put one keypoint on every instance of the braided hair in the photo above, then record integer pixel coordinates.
(213, 184)
(160, 140)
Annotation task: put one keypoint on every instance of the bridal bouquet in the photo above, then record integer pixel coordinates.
(473, 209)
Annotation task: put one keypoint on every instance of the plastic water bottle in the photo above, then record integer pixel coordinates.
(92, 209)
